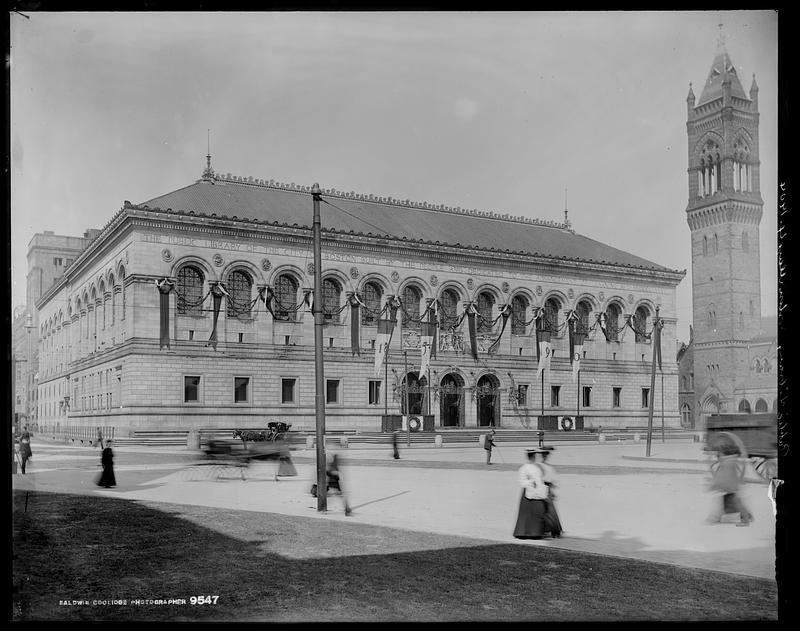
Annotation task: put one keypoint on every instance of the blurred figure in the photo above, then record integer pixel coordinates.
(727, 476)
(488, 443)
(533, 503)
(99, 439)
(334, 475)
(25, 452)
(394, 444)
(107, 478)
(552, 522)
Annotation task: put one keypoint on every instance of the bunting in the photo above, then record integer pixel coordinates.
(385, 330)
(473, 344)
(505, 312)
(165, 285)
(543, 349)
(575, 348)
(355, 323)
(657, 325)
(217, 292)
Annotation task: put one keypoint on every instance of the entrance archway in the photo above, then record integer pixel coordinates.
(744, 405)
(451, 401)
(417, 394)
(761, 406)
(487, 394)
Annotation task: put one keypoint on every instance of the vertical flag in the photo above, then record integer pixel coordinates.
(505, 311)
(164, 287)
(308, 298)
(542, 345)
(575, 347)
(355, 323)
(426, 345)
(385, 330)
(657, 339)
(217, 292)
(473, 344)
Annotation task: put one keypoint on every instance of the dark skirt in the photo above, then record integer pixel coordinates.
(530, 518)
(107, 478)
(551, 521)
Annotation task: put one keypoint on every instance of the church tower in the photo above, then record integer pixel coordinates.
(723, 213)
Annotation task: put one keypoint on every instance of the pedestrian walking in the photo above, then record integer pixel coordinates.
(727, 476)
(334, 475)
(551, 519)
(107, 478)
(488, 443)
(25, 452)
(98, 441)
(394, 444)
(533, 502)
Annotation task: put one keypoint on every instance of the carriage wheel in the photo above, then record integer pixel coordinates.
(767, 468)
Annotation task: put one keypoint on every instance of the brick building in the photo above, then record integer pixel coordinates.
(103, 361)
(730, 363)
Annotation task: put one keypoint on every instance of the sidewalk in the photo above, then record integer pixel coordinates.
(645, 508)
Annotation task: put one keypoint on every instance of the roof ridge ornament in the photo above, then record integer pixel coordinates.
(208, 172)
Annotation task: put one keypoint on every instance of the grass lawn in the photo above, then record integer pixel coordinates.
(267, 567)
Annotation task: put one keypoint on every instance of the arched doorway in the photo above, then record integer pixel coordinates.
(744, 406)
(417, 394)
(451, 401)
(686, 416)
(487, 394)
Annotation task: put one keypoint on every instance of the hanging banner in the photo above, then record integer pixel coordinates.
(657, 340)
(355, 324)
(575, 348)
(434, 322)
(217, 292)
(164, 287)
(308, 299)
(505, 312)
(426, 346)
(543, 349)
(473, 344)
(385, 330)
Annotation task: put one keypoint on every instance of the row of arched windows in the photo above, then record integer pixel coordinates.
(761, 406)
(239, 284)
(762, 365)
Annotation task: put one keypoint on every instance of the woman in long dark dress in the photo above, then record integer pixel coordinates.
(107, 478)
(552, 522)
(533, 503)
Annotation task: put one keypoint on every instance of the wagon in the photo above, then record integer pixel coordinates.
(752, 435)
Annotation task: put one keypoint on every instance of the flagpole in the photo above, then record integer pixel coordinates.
(322, 482)
(652, 388)
(662, 406)
(543, 396)
(579, 397)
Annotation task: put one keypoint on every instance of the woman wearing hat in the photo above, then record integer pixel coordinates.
(533, 503)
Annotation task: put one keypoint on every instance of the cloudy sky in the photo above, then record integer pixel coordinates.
(494, 111)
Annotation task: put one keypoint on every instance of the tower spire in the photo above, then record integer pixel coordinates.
(208, 172)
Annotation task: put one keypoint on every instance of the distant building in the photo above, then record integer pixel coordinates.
(731, 363)
(249, 241)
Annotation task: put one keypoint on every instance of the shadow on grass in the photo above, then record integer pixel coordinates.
(269, 567)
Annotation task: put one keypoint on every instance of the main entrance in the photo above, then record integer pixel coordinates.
(487, 394)
(417, 394)
(451, 401)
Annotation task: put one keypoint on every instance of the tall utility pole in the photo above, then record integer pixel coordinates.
(316, 309)
(651, 394)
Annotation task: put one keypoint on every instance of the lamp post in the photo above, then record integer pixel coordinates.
(322, 482)
(28, 368)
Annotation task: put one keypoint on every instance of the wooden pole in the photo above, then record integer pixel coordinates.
(405, 396)
(662, 407)
(322, 479)
(652, 389)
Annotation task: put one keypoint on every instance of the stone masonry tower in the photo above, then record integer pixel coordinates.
(724, 212)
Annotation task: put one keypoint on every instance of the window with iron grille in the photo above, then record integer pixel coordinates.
(372, 300)
(374, 392)
(411, 301)
(485, 305)
(331, 296)
(617, 397)
(640, 324)
(555, 392)
(612, 322)
(240, 287)
(449, 316)
(522, 395)
(189, 291)
(285, 297)
(645, 397)
(587, 396)
(519, 309)
(551, 309)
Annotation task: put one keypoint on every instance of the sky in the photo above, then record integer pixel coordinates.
(513, 112)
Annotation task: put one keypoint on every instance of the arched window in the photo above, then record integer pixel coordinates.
(640, 323)
(757, 366)
(583, 310)
(240, 288)
(113, 300)
(449, 313)
(189, 291)
(412, 297)
(122, 285)
(685, 382)
(331, 297)
(745, 242)
(373, 294)
(716, 244)
(286, 297)
(519, 309)
(761, 406)
(485, 306)
(551, 309)
(613, 313)
(767, 366)
(705, 245)
(744, 405)
(103, 304)
(686, 415)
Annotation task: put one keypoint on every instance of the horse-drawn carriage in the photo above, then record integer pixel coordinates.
(223, 457)
(754, 436)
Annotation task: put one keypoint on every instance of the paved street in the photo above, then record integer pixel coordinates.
(612, 499)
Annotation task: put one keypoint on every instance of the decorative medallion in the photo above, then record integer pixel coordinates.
(630, 299)
(218, 260)
(166, 255)
(266, 264)
(310, 268)
(395, 277)
(571, 293)
(506, 287)
(434, 280)
(601, 296)
(354, 273)
(411, 339)
(538, 290)
(470, 283)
